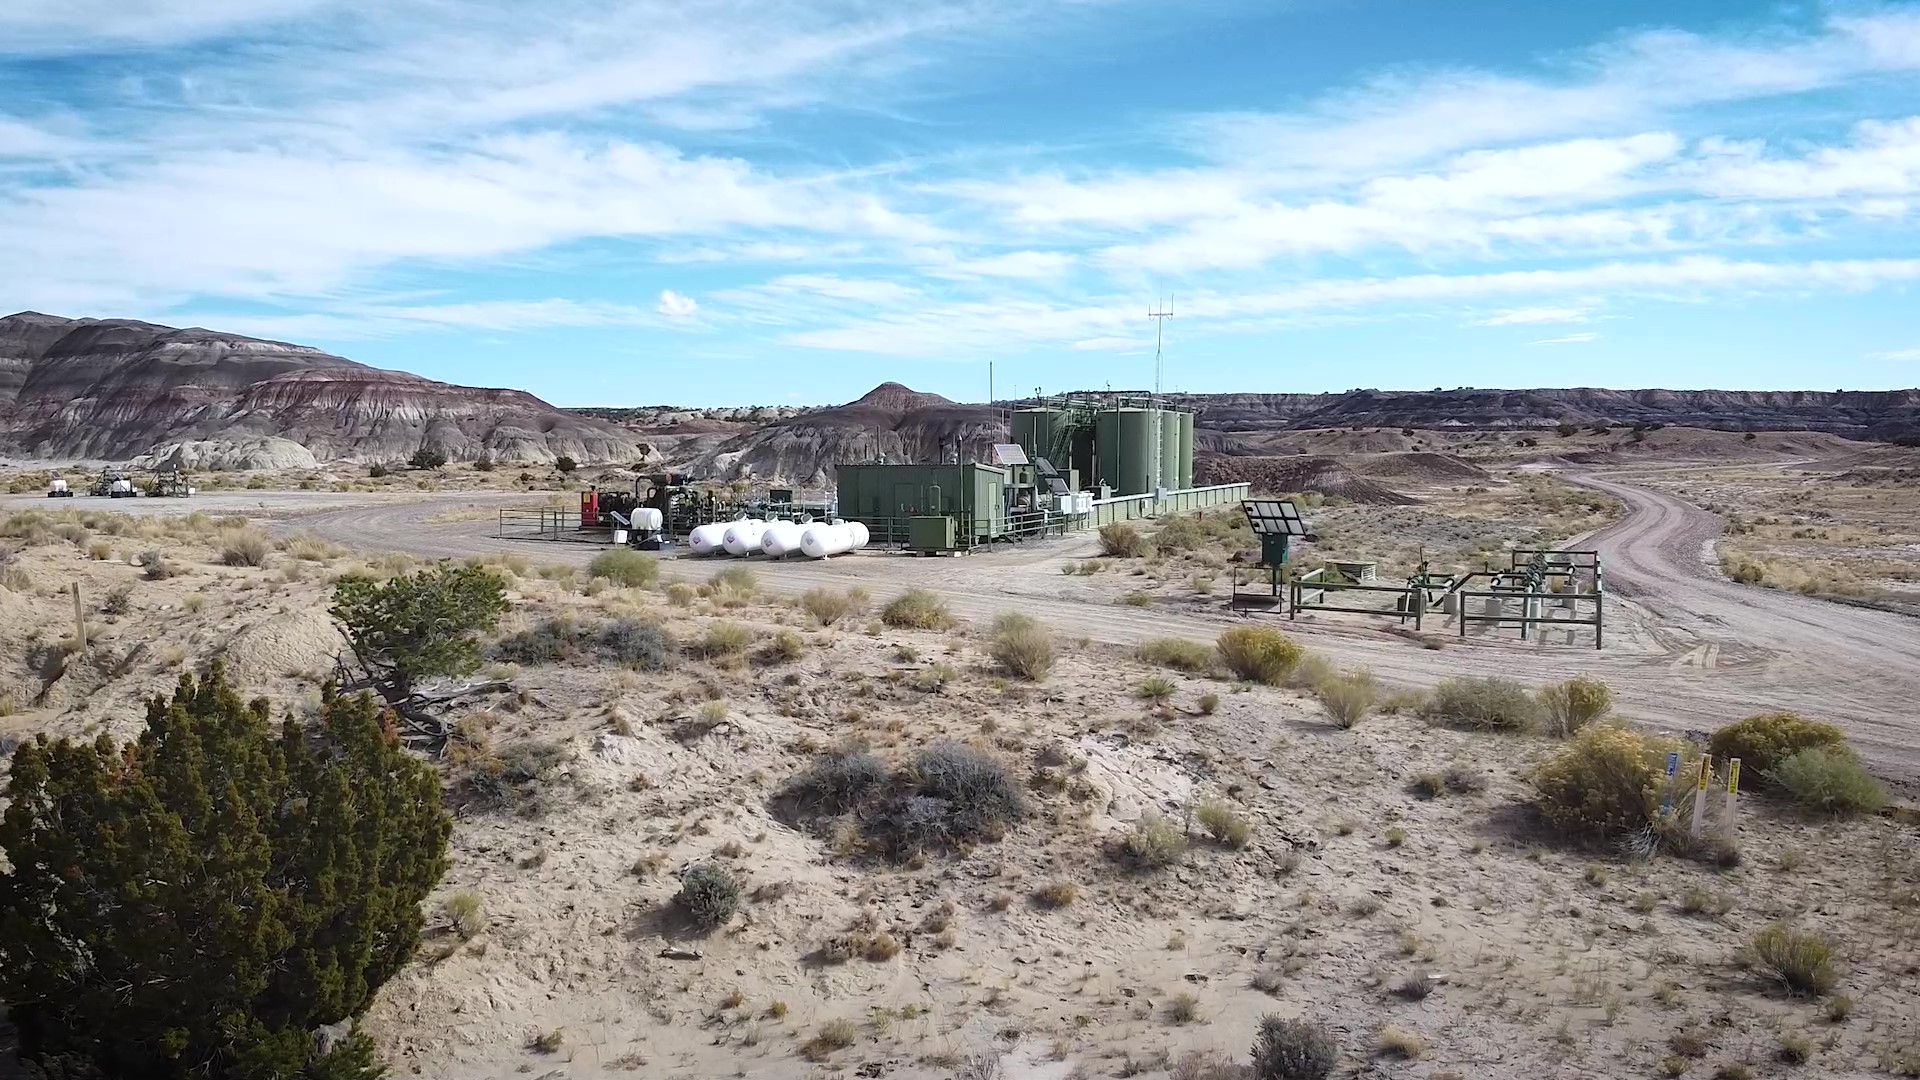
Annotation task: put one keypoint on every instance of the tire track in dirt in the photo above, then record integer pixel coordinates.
(1686, 648)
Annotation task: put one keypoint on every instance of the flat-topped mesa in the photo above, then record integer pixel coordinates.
(119, 389)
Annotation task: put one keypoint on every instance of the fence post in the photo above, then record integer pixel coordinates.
(1699, 822)
(1731, 814)
(79, 622)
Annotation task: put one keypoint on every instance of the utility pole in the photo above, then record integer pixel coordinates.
(1159, 322)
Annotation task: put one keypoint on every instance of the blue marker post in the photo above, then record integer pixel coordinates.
(1673, 768)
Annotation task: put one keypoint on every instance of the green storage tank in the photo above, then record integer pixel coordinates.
(1186, 449)
(1129, 459)
(1043, 433)
(1169, 470)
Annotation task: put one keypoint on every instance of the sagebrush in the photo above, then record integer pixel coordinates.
(917, 609)
(1605, 782)
(1258, 654)
(1022, 645)
(1763, 741)
(1485, 704)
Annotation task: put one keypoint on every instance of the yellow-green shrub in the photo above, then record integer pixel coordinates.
(1606, 781)
(1829, 779)
(1574, 704)
(1258, 653)
(1763, 741)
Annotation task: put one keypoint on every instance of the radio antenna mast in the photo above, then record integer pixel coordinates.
(1159, 322)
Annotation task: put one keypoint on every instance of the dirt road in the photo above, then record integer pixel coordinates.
(1685, 648)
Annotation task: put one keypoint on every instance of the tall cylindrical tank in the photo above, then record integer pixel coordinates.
(780, 538)
(1128, 458)
(743, 537)
(708, 539)
(1186, 449)
(1036, 430)
(1169, 470)
(821, 541)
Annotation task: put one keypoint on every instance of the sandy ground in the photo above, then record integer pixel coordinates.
(1546, 960)
(1685, 648)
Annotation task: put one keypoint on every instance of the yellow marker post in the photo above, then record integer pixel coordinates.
(1699, 822)
(1730, 814)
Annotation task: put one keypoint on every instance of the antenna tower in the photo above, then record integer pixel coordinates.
(1159, 318)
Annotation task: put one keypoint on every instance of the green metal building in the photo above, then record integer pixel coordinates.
(887, 497)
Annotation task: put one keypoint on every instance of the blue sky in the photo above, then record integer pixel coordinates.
(763, 202)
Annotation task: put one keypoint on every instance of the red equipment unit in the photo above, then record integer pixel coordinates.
(590, 508)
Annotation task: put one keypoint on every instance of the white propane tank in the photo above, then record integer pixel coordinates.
(781, 538)
(646, 519)
(707, 539)
(743, 537)
(121, 487)
(821, 541)
(859, 532)
(59, 485)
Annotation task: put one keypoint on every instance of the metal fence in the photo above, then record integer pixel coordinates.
(1131, 507)
(546, 523)
(1318, 590)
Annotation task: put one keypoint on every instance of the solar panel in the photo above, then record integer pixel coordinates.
(1006, 453)
(1046, 467)
(1274, 517)
(1057, 486)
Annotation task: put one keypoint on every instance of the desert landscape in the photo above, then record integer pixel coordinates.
(691, 831)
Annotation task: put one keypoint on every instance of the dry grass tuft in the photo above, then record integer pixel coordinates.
(463, 913)
(1483, 704)
(1800, 960)
(831, 1036)
(245, 547)
(1056, 894)
(1179, 654)
(1348, 698)
(722, 639)
(1122, 541)
(917, 609)
(1154, 843)
(1022, 645)
(1399, 1043)
(1572, 705)
(625, 567)
(1223, 824)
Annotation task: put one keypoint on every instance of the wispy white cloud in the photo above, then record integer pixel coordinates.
(311, 153)
(1570, 339)
(1403, 119)
(19, 139)
(357, 321)
(1536, 316)
(1901, 355)
(971, 328)
(54, 26)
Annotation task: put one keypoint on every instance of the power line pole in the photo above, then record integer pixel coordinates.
(1159, 323)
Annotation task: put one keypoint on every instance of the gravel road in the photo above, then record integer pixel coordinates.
(1686, 649)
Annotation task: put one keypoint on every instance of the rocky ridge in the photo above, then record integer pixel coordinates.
(117, 389)
(1859, 414)
(890, 422)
